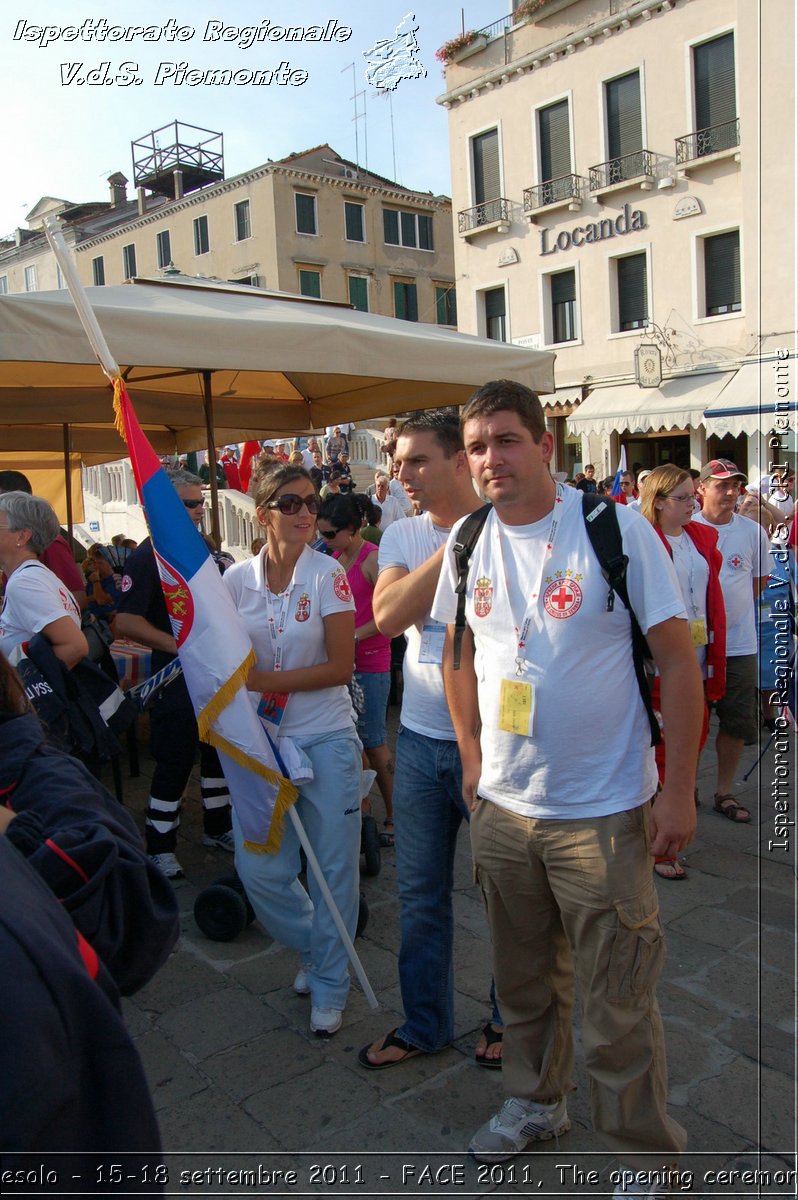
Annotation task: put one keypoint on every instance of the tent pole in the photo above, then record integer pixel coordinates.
(207, 404)
(68, 481)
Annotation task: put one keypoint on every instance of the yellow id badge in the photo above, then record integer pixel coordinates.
(698, 632)
(516, 707)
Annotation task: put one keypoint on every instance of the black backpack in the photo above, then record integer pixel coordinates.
(603, 530)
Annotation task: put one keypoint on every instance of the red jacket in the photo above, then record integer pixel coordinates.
(705, 541)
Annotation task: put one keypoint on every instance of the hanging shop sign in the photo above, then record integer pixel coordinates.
(648, 365)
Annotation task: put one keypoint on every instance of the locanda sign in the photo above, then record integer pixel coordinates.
(628, 221)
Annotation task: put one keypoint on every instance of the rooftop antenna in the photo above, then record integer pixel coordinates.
(359, 116)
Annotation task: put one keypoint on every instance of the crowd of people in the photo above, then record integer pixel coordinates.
(501, 610)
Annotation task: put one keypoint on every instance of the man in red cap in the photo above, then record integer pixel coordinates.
(746, 565)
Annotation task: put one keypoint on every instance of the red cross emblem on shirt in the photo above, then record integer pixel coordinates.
(562, 598)
(735, 561)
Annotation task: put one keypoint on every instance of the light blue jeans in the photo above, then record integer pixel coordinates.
(329, 809)
(428, 811)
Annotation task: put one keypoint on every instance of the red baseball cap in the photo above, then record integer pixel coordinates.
(720, 468)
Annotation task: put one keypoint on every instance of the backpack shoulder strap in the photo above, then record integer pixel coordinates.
(604, 532)
(463, 548)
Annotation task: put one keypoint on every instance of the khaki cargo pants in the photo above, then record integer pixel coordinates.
(569, 898)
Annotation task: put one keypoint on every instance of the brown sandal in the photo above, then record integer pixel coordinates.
(669, 868)
(728, 807)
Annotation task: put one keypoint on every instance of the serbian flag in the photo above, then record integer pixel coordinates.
(214, 647)
(617, 490)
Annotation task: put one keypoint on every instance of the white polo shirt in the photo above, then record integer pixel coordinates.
(318, 588)
(589, 751)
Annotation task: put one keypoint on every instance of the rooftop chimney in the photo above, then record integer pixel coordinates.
(118, 184)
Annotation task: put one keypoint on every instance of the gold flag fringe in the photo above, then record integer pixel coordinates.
(286, 791)
(119, 420)
(220, 700)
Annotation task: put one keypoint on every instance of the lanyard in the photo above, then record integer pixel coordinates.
(277, 619)
(532, 613)
(683, 542)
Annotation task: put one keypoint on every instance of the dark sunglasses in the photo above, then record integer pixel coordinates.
(329, 534)
(290, 504)
(193, 503)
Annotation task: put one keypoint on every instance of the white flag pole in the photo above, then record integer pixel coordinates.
(80, 299)
(109, 366)
(343, 932)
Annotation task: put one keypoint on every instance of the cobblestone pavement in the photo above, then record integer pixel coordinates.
(240, 1083)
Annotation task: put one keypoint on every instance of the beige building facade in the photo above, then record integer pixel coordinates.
(623, 181)
(313, 224)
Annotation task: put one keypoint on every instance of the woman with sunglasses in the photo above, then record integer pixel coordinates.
(340, 526)
(297, 605)
(667, 501)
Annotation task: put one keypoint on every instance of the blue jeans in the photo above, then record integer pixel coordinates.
(428, 811)
(329, 808)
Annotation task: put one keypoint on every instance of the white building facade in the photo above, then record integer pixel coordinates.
(623, 182)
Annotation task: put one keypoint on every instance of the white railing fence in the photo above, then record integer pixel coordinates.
(111, 505)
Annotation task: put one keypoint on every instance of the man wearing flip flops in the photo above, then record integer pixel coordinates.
(746, 565)
(428, 802)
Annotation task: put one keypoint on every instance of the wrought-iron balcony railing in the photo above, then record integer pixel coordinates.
(708, 141)
(618, 170)
(567, 187)
(487, 213)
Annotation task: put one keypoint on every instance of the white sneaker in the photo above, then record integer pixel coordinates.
(224, 841)
(515, 1125)
(644, 1183)
(167, 864)
(301, 982)
(324, 1022)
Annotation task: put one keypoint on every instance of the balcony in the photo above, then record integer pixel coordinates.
(491, 214)
(565, 192)
(709, 145)
(630, 170)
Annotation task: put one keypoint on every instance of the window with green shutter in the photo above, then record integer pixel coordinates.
(359, 292)
(390, 225)
(446, 305)
(201, 239)
(310, 283)
(714, 83)
(405, 301)
(163, 248)
(554, 135)
(632, 277)
(485, 159)
(624, 119)
(722, 273)
(353, 220)
(496, 315)
(563, 306)
(305, 207)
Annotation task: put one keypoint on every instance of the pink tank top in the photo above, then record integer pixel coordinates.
(373, 653)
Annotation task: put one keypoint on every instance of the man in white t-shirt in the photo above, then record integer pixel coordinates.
(392, 510)
(428, 802)
(746, 566)
(562, 829)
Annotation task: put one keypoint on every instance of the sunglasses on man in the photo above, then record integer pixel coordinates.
(193, 503)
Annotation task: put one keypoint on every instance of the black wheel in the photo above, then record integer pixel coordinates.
(232, 881)
(370, 846)
(220, 912)
(362, 915)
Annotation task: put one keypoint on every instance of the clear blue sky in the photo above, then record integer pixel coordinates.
(64, 139)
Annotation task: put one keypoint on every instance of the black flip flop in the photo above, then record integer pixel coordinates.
(390, 1040)
(491, 1038)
